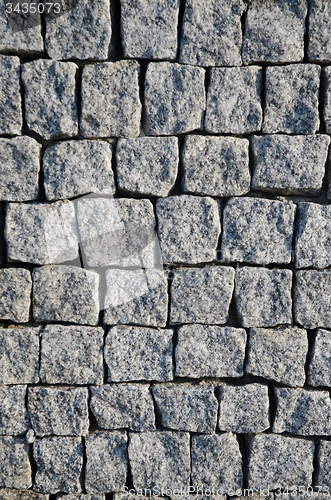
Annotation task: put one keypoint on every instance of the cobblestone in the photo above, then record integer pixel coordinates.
(319, 370)
(15, 292)
(14, 419)
(312, 302)
(11, 120)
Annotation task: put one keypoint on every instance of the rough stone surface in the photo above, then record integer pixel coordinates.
(83, 32)
(175, 98)
(263, 296)
(319, 370)
(136, 297)
(258, 231)
(319, 30)
(15, 467)
(274, 31)
(41, 233)
(19, 169)
(19, 355)
(237, 108)
(10, 97)
(117, 232)
(160, 458)
(278, 354)
(189, 228)
(244, 409)
(312, 299)
(215, 166)
(15, 292)
(74, 168)
(201, 295)
(50, 101)
(302, 412)
(289, 164)
(9, 494)
(59, 462)
(72, 355)
(275, 461)
(134, 353)
(147, 165)
(14, 418)
(107, 461)
(292, 99)
(27, 42)
(323, 476)
(62, 411)
(210, 351)
(327, 101)
(82, 496)
(149, 29)
(187, 407)
(216, 461)
(110, 100)
(123, 406)
(65, 293)
(211, 33)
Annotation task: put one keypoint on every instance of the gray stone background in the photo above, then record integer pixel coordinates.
(165, 225)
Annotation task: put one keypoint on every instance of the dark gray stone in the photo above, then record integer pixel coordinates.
(319, 31)
(15, 467)
(50, 99)
(319, 370)
(15, 293)
(14, 418)
(11, 120)
(175, 98)
(312, 299)
(323, 476)
(26, 42)
(237, 108)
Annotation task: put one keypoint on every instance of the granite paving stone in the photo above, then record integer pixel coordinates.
(50, 100)
(319, 369)
(14, 419)
(210, 351)
(175, 98)
(312, 298)
(9, 494)
(326, 103)
(15, 467)
(236, 109)
(319, 31)
(263, 296)
(201, 295)
(11, 120)
(65, 293)
(82, 496)
(189, 228)
(15, 293)
(118, 406)
(147, 165)
(215, 166)
(323, 476)
(136, 353)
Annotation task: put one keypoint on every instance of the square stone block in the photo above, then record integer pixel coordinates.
(319, 31)
(11, 120)
(312, 299)
(319, 370)
(15, 293)
(15, 467)
(14, 419)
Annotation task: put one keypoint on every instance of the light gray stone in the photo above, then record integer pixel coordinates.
(136, 297)
(278, 461)
(19, 169)
(274, 31)
(160, 459)
(65, 293)
(258, 231)
(62, 411)
(135, 353)
(244, 409)
(319, 369)
(187, 407)
(278, 354)
(15, 292)
(74, 168)
(11, 120)
(81, 32)
(50, 100)
(116, 406)
(323, 476)
(292, 99)
(327, 101)
(234, 100)
(72, 355)
(83, 496)
(14, 418)
(147, 165)
(289, 164)
(312, 299)
(107, 461)
(263, 296)
(210, 351)
(59, 462)
(215, 166)
(201, 295)
(41, 233)
(149, 29)
(175, 98)
(211, 33)
(15, 467)
(189, 228)
(9, 494)
(30, 436)
(2, 239)
(302, 412)
(110, 100)
(117, 232)
(19, 355)
(319, 31)
(216, 462)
